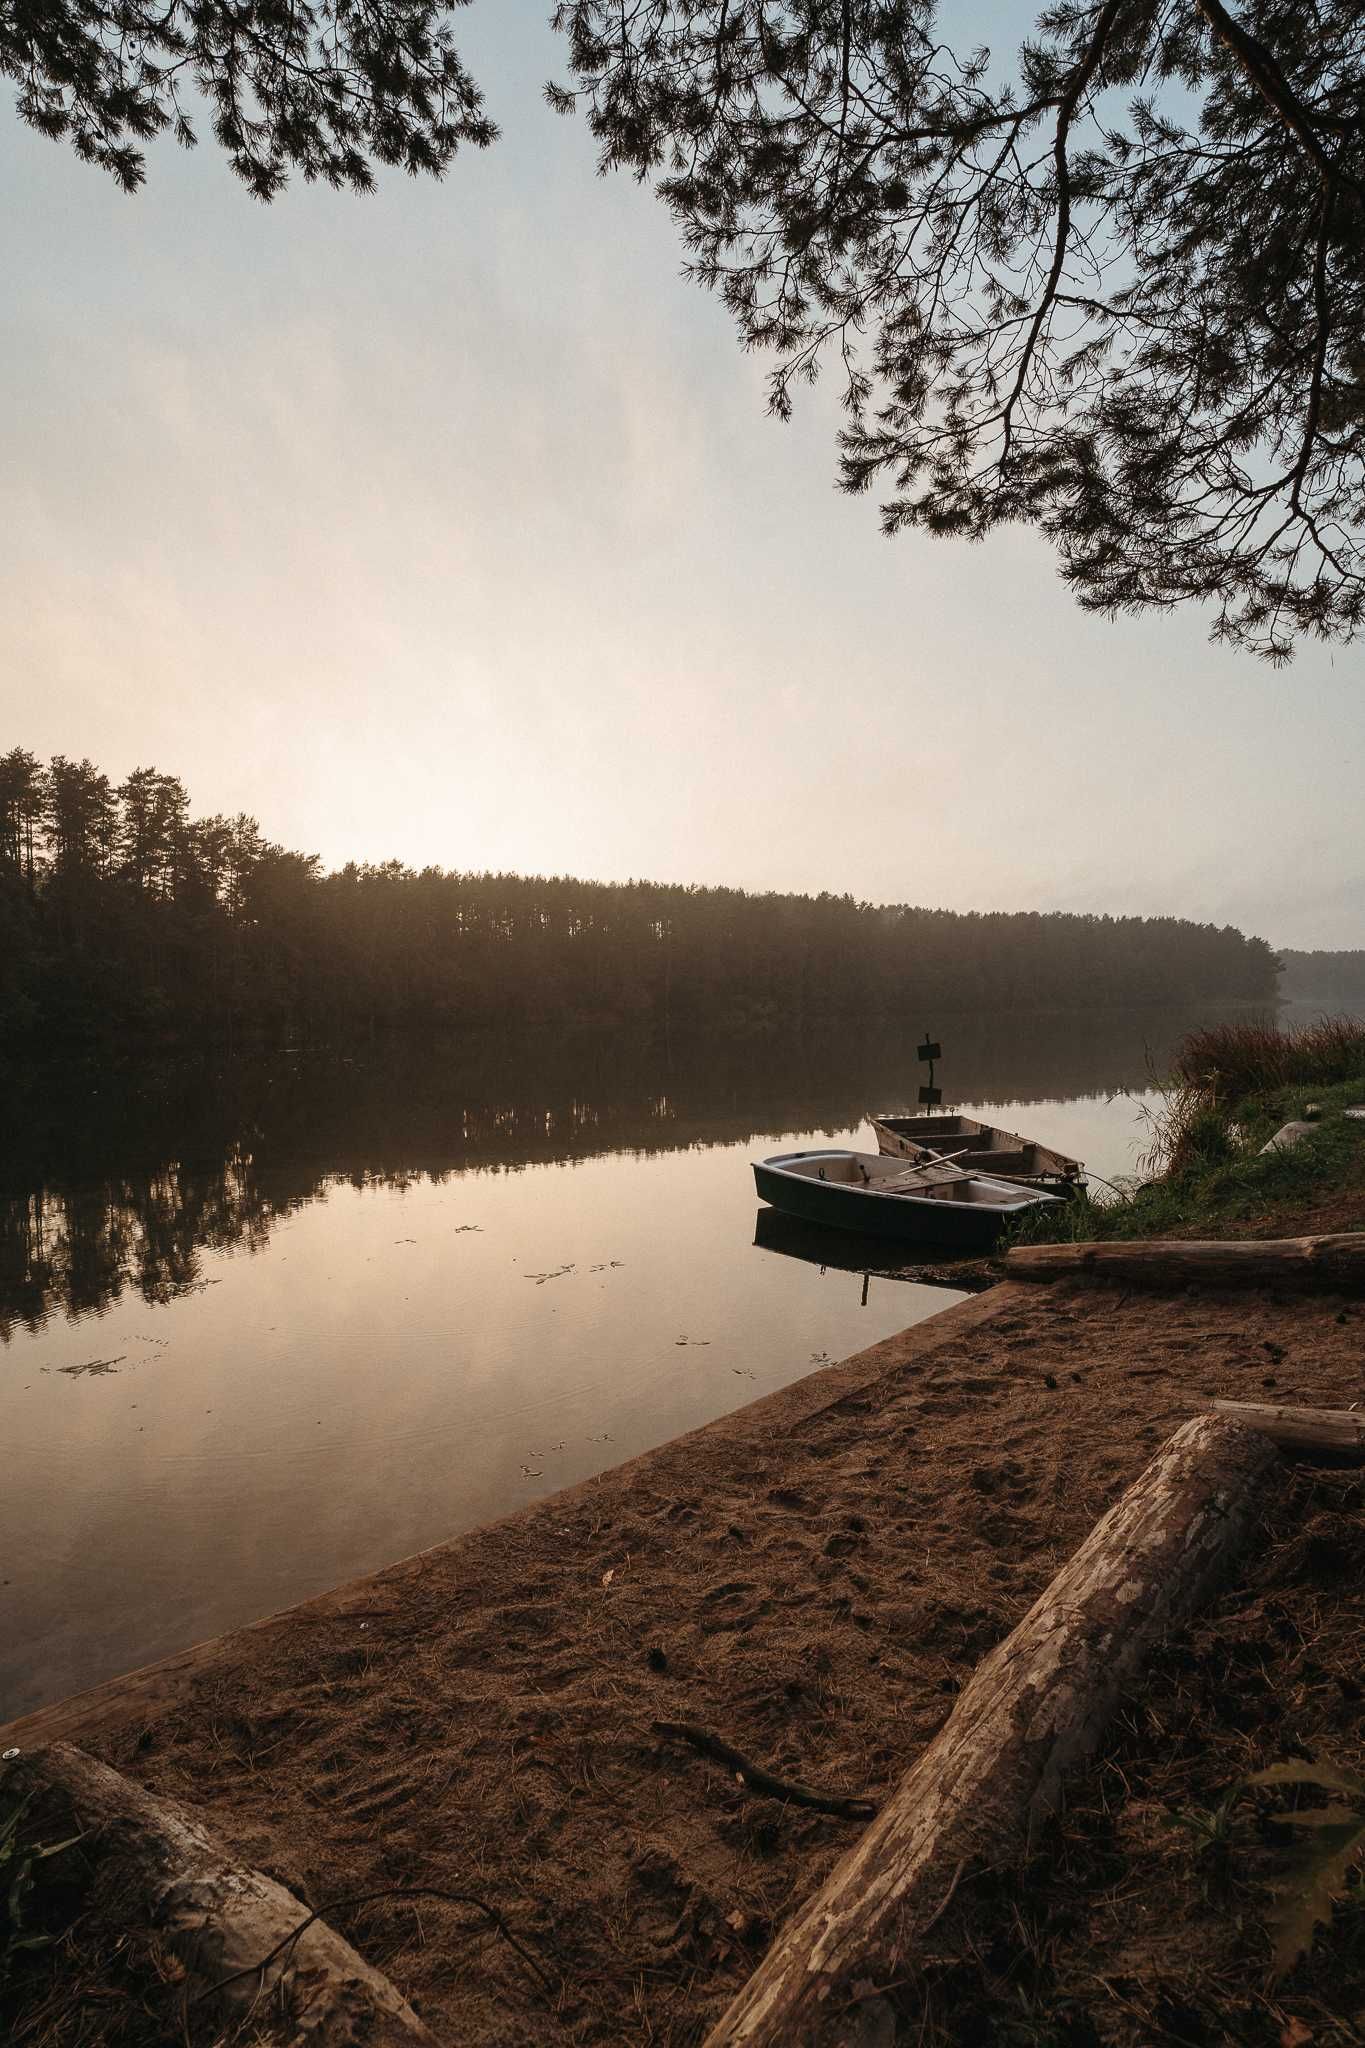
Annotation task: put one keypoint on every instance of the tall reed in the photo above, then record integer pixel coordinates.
(1224, 1063)
(1219, 1068)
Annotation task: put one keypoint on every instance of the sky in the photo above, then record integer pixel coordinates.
(449, 525)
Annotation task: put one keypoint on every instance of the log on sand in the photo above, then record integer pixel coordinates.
(1302, 1432)
(1333, 1262)
(1033, 1709)
(218, 1916)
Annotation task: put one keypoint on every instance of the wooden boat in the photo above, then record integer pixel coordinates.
(883, 1196)
(981, 1147)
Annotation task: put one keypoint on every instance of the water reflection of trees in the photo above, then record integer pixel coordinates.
(110, 1189)
(81, 1247)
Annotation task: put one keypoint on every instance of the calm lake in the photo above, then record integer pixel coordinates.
(268, 1325)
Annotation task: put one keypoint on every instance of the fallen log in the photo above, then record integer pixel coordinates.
(1034, 1708)
(220, 1918)
(1302, 1432)
(1330, 1262)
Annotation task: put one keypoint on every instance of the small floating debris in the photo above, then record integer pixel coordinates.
(95, 1368)
(541, 1278)
(531, 1472)
(461, 1228)
(703, 1342)
(607, 1266)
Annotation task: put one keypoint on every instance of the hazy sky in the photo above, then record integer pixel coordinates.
(448, 524)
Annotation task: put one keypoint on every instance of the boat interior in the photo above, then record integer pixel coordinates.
(884, 1174)
(929, 1129)
(991, 1150)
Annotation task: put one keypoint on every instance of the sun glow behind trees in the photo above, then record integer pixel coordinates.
(121, 916)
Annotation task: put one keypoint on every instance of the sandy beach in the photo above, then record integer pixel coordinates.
(811, 1579)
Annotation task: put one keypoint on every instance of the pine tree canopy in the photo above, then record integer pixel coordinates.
(328, 89)
(1112, 287)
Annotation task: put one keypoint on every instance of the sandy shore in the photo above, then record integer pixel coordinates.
(812, 1579)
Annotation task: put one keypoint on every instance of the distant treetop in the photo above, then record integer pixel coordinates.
(123, 917)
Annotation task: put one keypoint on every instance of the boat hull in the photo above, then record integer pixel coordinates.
(905, 1219)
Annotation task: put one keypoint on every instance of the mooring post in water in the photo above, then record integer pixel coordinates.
(929, 1051)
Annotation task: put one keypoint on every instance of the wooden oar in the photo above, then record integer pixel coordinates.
(945, 1158)
(902, 1183)
(1019, 1180)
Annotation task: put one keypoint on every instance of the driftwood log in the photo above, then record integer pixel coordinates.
(1336, 1433)
(219, 1917)
(1335, 1262)
(1033, 1709)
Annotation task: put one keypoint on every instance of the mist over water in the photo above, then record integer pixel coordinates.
(267, 1325)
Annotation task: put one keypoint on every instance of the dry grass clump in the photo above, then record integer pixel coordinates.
(1224, 1063)
(1230, 1079)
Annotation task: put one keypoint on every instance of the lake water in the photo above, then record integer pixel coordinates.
(268, 1326)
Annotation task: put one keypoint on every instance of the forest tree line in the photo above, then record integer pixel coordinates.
(1321, 977)
(124, 918)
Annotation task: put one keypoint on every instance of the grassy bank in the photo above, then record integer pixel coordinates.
(1232, 1089)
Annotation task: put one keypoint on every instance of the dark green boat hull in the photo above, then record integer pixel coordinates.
(906, 1219)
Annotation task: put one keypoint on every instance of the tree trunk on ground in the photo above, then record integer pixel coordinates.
(1033, 1709)
(218, 1916)
(1336, 1262)
(1302, 1432)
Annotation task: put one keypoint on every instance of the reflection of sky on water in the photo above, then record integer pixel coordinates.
(1110, 1133)
(386, 1365)
(376, 1379)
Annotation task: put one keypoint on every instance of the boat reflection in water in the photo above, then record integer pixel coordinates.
(844, 1251)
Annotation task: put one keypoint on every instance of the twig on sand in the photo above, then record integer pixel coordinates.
(406, 1891)
(759, 1780)
(946, 1901)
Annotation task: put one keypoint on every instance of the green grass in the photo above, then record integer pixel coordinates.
(1217, 1182)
